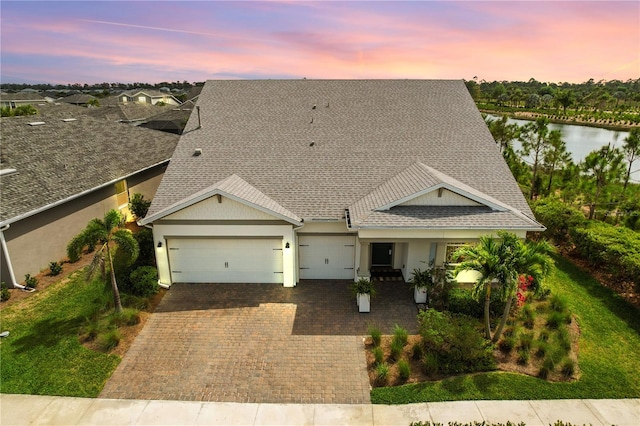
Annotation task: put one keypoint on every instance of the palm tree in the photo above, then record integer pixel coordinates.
(106, 232)
(500, 261)
(529, 259)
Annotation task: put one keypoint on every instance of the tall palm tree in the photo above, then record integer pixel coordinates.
(107, 232)
(500, 261)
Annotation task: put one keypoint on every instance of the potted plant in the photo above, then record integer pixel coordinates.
(364, 290)
(422, 282)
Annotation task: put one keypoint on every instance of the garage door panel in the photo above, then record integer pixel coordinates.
(226, 260)
(326, 256)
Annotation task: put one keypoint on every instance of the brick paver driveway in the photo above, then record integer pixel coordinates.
(258, 343)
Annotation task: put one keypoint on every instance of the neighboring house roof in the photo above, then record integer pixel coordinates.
(22, 97)
(150, 93)
(59, 160)
(78, 99)
(317, 147)
(172, 120)
(129, 112)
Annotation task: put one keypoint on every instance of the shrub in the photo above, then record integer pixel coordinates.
(128, 316)
(5, 294)
(568, 369)
(138, 206)
(143, 281)
(528, 316)
(563, 339)
(460, 348)
(541, 349)
(404, 370)
(507, 344)
(31, 282)
(400, 335)
(395, 350)
(382, 373)
(523, 357)
(558, 217)
(526, 339)
(146, 254)
(378, 355)
(543, 373)
(376, 335)
(417, 351)
(109, 340)
(55, 268)
(555, 320)
(543, 336)
(558, 303)
(462, 302)
(431, 363)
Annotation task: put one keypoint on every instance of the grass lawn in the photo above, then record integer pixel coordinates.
(42, 354)
(608, 354)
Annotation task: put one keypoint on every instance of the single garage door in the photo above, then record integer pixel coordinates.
(327, 256)
(203, 260)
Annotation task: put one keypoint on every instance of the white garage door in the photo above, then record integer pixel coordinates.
(327, 256)
(225, 260)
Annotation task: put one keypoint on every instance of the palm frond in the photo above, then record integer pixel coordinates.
(98, 262)
(126, 242)
(113, 219)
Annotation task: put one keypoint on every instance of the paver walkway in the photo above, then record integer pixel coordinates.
(259, 343)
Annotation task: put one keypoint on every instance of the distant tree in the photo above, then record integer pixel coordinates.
(566, 98)
(533, 101)
(498, 91)
(534, 137)
(601, 168)
(631, 149)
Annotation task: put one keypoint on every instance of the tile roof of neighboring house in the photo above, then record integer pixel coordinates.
(319, 146)
(58, 160)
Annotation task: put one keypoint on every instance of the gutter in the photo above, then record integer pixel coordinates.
(78, 195)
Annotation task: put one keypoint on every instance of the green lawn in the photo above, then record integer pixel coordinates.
(608, 354)
(42, 354)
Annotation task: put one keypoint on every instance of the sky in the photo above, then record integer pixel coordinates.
(65, 42)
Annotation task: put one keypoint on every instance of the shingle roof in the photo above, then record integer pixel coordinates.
(319, 146)
(59, 159)
(78, 98)
(234, 187)
(22, 96)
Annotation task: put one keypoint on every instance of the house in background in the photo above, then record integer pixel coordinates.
(281, 181)
(58, 170)
(14, 100)
(148, 96)
(80, 99)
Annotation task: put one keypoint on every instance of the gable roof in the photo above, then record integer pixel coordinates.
(237, 189)
(59, 160)
(319, 146)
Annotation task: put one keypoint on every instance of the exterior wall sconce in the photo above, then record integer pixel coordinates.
(287, 245)
(159, 244)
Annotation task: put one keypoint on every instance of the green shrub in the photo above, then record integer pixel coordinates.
(563, 339)
(138, 206)
(382, 374)
(543, 336)
(455, 340)
(395, 350)
(378, 355)
(417, 351)
(543, 373)
(462, 302)
(558, 303)
(55, 268)
(507, 344)
(136, 302)
(127, 317)
(143, 282)
(431, 363)
(146, 247)
(404, 370)
(523, 357)
(376, 335)
(400, 335)
(109, 340)
(541, 349)
(5, 294)
(555, 320)
(526, 339)
(528, 316)
(558, 217)
(31, 282)
(568, 369)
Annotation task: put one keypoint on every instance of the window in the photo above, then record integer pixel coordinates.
(122, 194)
(451, 248)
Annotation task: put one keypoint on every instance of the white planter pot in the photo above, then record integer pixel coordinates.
(364, 302)
(420, 294)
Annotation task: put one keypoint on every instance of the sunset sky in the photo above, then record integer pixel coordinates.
(62, 42)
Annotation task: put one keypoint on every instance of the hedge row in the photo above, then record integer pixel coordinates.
(614, 247)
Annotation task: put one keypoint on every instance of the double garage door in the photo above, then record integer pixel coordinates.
(204, 260)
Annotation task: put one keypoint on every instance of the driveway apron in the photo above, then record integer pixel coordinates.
(258, 343)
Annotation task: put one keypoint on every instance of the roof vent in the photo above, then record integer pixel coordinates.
(197, 152)
(36, 123)
(67, 120)
(313, 107)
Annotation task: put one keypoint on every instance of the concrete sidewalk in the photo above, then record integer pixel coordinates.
(51, 410)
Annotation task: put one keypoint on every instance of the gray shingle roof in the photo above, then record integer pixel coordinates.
(60, 159)
(318, 146)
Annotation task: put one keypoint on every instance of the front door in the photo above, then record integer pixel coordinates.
(381, 254)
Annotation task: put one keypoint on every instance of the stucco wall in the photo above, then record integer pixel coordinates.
(36, 241)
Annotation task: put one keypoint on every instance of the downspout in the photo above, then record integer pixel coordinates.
(5, 250)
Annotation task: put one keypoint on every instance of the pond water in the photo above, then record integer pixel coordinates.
(581, 140)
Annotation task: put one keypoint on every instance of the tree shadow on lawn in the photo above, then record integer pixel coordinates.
(616, 304)
(47, 332)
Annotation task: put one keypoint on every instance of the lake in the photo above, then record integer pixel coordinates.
(581, 140)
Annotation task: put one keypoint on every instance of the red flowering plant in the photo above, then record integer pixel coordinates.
(524, 282)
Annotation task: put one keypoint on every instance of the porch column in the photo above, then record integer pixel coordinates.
(363, 263)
